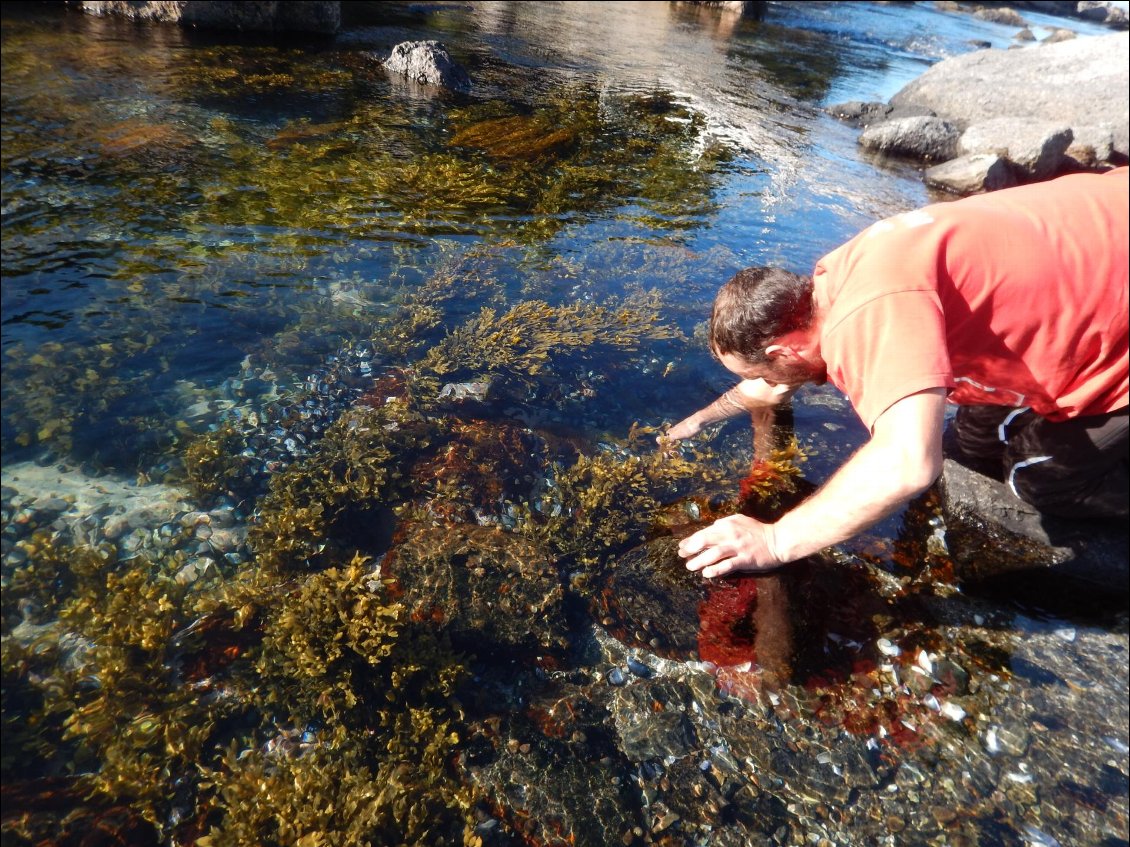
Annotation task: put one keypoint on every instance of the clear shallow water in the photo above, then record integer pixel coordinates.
(193, 224)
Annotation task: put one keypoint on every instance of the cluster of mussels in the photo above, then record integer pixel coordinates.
(252, 441)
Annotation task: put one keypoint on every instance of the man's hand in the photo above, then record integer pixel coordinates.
(686, 428)
(734, 543)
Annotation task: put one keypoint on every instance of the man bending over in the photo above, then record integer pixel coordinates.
(1012, 305)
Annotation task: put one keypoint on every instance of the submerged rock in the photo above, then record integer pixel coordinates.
(650, 600)
(428, 63)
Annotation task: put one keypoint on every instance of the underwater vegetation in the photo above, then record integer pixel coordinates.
(305, 200)
(331, 662)
(413, 575)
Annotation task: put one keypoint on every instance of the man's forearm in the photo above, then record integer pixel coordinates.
(866, 489)
(746, 396)
(725, 407)
(902, 459)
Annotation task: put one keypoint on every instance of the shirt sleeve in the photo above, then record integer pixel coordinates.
(886, 349)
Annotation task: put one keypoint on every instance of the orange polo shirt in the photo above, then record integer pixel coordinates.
(1016, 298)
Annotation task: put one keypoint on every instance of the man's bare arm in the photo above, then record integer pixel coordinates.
(747, 395)
(901, 460)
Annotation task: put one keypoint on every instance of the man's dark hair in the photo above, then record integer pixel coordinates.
(757, 306)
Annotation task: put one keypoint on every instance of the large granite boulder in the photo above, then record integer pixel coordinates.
(1009, 115)
(1073, 83)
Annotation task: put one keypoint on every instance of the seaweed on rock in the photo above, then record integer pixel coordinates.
(336, 621)
(343, 792)
(326, 508)
(212, 462)
(607, 502)
(104, 681)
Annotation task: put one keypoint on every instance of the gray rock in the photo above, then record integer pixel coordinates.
(754, 9)
(1089, 10)
(1071, 83)
(646, 733)
(1035, 147)
(1117, 18)
(428, 63)
(1059, 35)
(1092, 146)
(1002, 15)
(465, 390)
(971, 174)
(923, 137)
(991, 532)
(317, 16)
(861, 113)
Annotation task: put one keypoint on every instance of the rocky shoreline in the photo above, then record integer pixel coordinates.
(996, 118)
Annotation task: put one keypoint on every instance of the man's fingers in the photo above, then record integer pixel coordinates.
(719, 569)
(694, 544)
(709, 556)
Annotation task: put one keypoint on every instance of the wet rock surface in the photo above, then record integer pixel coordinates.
(984, 515)
(428, 63)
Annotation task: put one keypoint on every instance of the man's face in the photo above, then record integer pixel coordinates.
(782, 370)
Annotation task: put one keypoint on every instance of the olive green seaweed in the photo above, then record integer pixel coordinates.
(355, 471)
(609, 501)
(533, 338)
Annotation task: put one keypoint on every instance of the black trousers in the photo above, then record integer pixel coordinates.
(1075, 469)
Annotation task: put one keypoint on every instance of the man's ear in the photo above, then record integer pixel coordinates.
(776, 351)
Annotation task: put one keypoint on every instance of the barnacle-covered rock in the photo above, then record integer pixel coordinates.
(486, 588)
